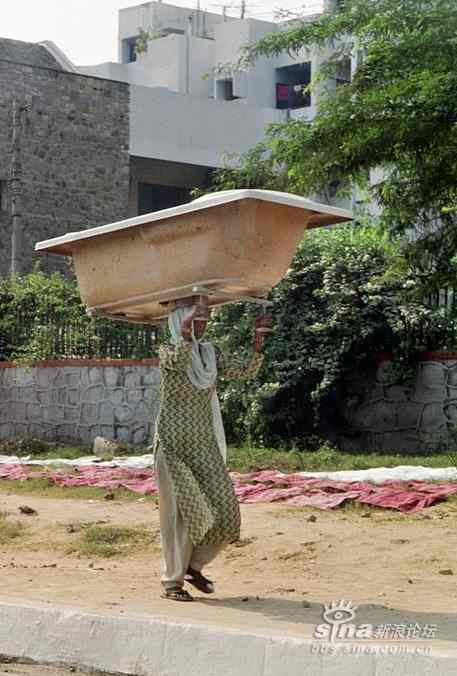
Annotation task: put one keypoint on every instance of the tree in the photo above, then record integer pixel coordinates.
(398, 113)
(344, 300)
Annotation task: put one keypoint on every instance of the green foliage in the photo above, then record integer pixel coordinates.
(144, 37)
(346, 298)
(397, 114)
(42, 317)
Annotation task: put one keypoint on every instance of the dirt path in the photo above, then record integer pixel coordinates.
(35, 670)
(284, 569)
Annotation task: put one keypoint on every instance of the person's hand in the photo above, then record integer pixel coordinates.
(263, 325)
(186, 326)
(201, 312)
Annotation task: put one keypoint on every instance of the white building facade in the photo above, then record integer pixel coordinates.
(186, 114)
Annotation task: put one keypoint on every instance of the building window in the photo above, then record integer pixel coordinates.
(291, 84)
(343, 72)
(3, 196)
(153, 197)
(224, 89)
(129, 50)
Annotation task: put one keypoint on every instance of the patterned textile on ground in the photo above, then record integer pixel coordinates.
(266, 486)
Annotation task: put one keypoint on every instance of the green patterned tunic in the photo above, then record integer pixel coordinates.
(186, 437)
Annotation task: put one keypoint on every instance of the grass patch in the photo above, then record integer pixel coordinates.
(249, 459)
(109, 541)
(48, 450)
(46, 489)
(9, 530)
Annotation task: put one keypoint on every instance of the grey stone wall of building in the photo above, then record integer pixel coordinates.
(27, 53)
(78, 403)
(418, 417)
(73, 148)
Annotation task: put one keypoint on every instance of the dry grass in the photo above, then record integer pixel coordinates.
(109, 541)
(10, 531)
(46, 489)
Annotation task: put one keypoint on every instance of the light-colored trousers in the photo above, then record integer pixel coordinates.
(178, 552)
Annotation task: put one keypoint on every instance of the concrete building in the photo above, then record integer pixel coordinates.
(64, 151)
(98, 143)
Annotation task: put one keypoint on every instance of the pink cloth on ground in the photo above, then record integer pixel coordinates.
(264, 486)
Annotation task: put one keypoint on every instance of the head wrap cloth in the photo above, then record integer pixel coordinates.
(202, 370)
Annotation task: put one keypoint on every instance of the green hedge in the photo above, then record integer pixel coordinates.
(42, 317)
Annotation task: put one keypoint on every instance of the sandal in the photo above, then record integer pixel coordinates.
(199, 581)
(176, 594)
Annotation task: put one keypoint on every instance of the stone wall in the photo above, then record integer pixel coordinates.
(417, 417)
(73, 148)
(77, 400)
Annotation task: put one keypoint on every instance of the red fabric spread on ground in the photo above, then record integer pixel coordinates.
(266, 486)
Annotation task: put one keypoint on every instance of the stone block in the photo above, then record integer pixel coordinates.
(36, 429)
(451, 393)
(18, 412)
(71, 377)
(59, 396)
(94, 431)
(4, 394)
(14, 393)
(139, 436)
(151, 376)
(107, 431)
(95, 375)
(398, 393)
(452, 375)
(428, 395)
(134, 396)
(72, 413)
(123, 434)
(9, 377)
(106, 414)
(33, 412)
(93, 394)
(22, 429)
(142, 412)
(123, 413)
(7, 430)
(84, 434)
(149, 394)
(89, 412)
(401, 441)
(376, 417)
(433, 419)
(450, 411)
(115, 394)
(384, 373)
(45, 377)
(84, 377)
(55, 413)
(431, 374)
(29, 395)
(132, 379)
(408, 415)
(25, 376)
(44, 397)
(430, 384)
(112, 375)
(58, 379)
(73, 396)
(65, 432)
